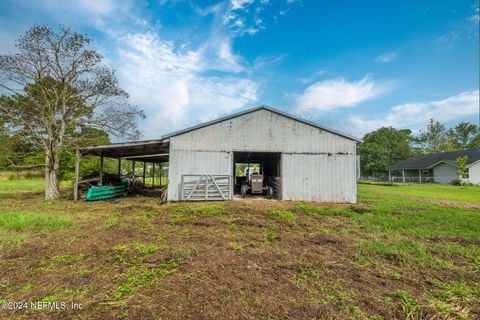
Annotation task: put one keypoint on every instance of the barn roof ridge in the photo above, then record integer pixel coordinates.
(260, 107)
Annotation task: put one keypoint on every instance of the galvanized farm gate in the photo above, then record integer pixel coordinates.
(205, 187)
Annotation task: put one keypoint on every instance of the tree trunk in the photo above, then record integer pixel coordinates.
(52, 166)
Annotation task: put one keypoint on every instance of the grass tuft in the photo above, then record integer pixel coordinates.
(282, 214)
(18, 221)
(402, 252)
(15, 227)
(410, 306)
(146, 249)
(137, 278)
(314, 210)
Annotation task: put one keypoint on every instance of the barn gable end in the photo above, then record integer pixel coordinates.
(316, 163)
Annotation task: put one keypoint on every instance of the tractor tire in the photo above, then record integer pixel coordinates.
(269, 192)
(243, 191)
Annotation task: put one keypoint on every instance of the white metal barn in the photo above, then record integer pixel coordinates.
(312, 162)
(300, 159)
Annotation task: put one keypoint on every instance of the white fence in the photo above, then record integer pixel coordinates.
(205, 187)
(398, 179)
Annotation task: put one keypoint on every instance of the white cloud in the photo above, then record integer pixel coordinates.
(248, 16)
(387, 57)
(332, 94)
(213, 9)
(476, 17)
(415, 115)
(177, 83)
(312, 77)
(172, 87)
(240, 4)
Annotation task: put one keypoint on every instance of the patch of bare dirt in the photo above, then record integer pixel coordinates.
(241, 264)
(449, 203)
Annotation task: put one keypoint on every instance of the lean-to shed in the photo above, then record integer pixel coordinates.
(296, 159)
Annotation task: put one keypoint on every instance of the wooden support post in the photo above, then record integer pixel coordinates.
(153, 175)
(403, 175)
(133, 168)
(160, 175)
(77, 172)
(119, 166)
(419, 175)
(144, 169)
(101, 171)
(389, 175)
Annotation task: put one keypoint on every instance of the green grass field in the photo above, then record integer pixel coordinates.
(401, 252)
(429, 191)
(11, 187)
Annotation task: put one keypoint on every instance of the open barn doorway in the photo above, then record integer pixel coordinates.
(257, 174)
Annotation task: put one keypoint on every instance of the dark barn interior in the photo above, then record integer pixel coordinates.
(264, 163)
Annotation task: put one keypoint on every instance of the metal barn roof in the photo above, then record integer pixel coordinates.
(429, 161)
(148, 150)
(262, 107)
(157, 150)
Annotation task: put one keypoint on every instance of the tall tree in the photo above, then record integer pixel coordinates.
(53, 86)
(434, 139)
(383, 147)
(463, 136)
(475, 144)
(462, 172)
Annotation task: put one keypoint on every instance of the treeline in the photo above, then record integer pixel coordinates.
(387, 145)
(56, 94)
(18, 153)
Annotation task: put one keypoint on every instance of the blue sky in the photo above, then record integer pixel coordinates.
(350, 65)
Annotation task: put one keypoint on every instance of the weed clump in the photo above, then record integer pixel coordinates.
(145, 249)
(410, 306)
(314, 210)
(137, 278)
(402, 252)
(17, 221)
(190, 211)
(282, 214)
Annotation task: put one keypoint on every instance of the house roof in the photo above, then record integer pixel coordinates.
(262, 107)
(431, 160)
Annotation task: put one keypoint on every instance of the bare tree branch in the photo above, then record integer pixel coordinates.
(55, 84)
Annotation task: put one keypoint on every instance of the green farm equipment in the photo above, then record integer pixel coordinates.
(105, 192)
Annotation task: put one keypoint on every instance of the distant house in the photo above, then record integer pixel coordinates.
(438, 167)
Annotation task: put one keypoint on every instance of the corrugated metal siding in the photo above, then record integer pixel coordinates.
(263, 131)
(316, 164)
(329, 178)
(195, 162)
